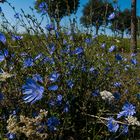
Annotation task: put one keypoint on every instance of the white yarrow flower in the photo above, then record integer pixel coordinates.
(4, 75)
(106, 95)
(132, 121)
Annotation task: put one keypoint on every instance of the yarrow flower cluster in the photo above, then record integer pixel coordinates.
(106, 95)
(31, 127)
(132, 121)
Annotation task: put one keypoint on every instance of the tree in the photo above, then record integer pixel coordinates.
(59, 8)
(95, 13)
(133, 26)
(122, 22)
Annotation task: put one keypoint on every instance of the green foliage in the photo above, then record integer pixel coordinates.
(59, 8)
(95, 13)
(122, 22)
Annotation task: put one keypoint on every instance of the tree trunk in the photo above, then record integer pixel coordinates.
(122, 34)
(133, 26)
(97, 30)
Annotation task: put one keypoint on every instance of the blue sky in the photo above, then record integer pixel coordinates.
(24, 4)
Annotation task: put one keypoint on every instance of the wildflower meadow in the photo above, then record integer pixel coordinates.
(61, 83)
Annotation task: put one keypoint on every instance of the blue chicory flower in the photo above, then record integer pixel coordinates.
(124, 129)
(38, 78)
(57, 34)
(16, 37)
(28, 62)
(112, 48)
(59, 99)
(91, 69)
(133, 54)
(3, 54)
(23, 54)
(11, 136)
(68, 33)
(96, 93)
(117, 84)
(88, 40)
(38, 56)
(79, 50)
(52, 123)
(14, 112)
(118, 57)
(64, 41)
(2, 38)
(43, 7)
(127, 110)
(71, 38)
(70, 83)
(49, 60)
(112, 125)
(66, 109)
(53, 87)
(134, 61)
(1, 96)
(103, 45)
(32, 91)
(54, 76)
(111, 16)
(51, 48)
(50, 27)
